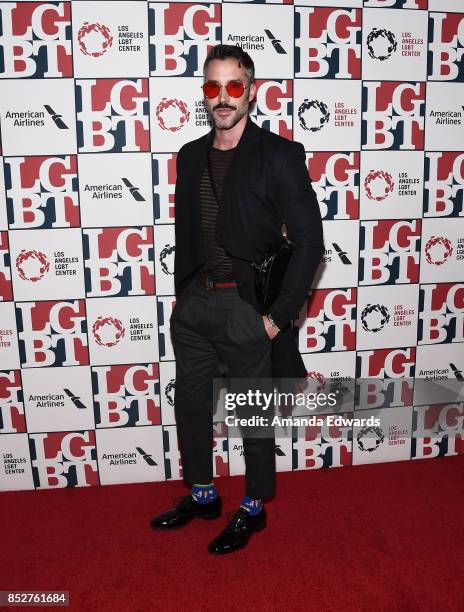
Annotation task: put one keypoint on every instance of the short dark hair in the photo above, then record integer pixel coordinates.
(222, 52)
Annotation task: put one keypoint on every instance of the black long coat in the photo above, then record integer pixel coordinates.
(267, 184)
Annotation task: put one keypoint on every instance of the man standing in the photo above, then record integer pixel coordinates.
(235, 188)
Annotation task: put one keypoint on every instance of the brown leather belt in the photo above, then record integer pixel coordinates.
(212, 284)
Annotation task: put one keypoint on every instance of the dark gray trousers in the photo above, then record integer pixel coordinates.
(209, 327)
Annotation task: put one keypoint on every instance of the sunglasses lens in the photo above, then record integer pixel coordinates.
(235, 89)
(211, 90)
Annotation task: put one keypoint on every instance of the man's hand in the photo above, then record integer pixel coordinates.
(271, 330)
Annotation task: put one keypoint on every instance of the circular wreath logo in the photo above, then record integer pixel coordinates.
(94, 39)
(32, 265)
(374, 317)
(166, 259)
(108, 331)
(381, 44)
(378, 184)
(318, 377)
(169, 391)
(438, 250)
(172, 114)
(370, 438)
(313, 115)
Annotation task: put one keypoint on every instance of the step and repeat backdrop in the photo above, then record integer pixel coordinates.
(96, 98)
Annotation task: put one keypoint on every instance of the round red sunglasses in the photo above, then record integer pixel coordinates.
(211, 89)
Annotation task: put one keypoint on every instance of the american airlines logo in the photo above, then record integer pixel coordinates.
(76, 400)
(343, 255)
(336, 250)
(134, 191)
(457, 373)
(148, 458)
(256, 42)
(276, 43)
(56, 118)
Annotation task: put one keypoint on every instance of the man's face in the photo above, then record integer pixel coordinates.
(225, 110)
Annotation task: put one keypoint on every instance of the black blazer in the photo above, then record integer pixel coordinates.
(267, 184)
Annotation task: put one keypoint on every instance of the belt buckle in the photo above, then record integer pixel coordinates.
(209, 283)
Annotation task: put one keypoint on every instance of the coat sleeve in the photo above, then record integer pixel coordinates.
(300, 209)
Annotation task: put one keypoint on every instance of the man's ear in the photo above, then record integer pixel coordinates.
(252, 92)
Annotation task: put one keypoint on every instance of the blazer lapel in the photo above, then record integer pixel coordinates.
(196, 165)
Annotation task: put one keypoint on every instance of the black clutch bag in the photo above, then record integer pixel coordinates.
(269, 275)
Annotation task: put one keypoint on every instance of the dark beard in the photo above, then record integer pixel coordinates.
(237, 118)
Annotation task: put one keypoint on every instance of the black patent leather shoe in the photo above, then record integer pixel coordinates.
(186, 510)
(238, 532)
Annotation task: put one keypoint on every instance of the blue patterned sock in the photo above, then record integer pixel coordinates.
(204, 494)
(254, 506)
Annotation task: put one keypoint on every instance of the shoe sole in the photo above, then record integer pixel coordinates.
(205, 517)
(232, 550)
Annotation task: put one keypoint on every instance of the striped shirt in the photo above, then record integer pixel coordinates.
(218, 264)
